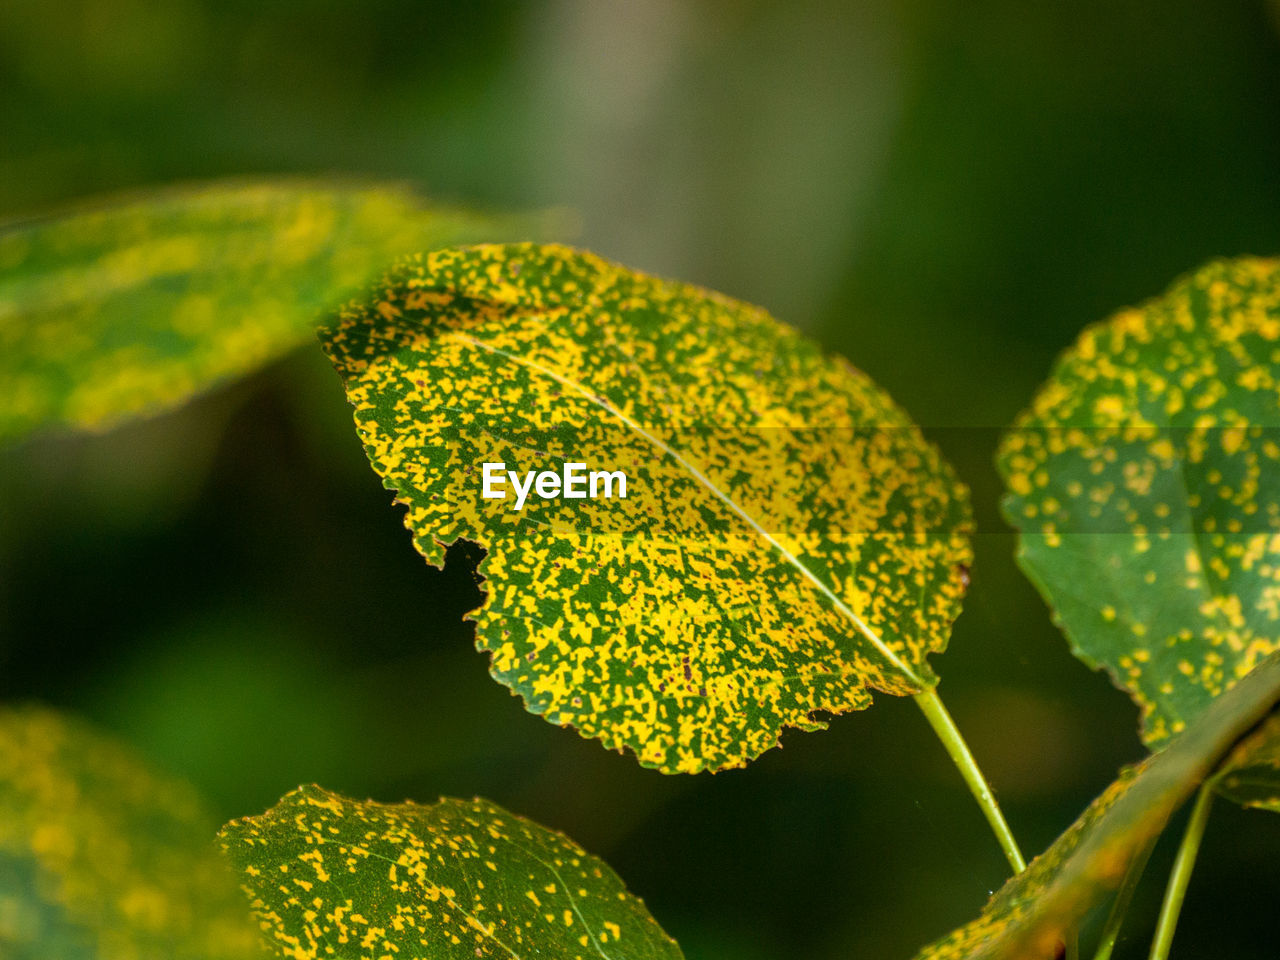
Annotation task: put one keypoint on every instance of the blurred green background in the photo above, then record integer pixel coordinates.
(942, 191)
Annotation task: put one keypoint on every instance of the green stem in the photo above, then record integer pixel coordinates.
(958, 750)
(1120, 906)
(1181, 875)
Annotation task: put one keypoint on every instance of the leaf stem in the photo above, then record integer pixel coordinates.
(1120, 906)
(1181, 875)
(945, 728)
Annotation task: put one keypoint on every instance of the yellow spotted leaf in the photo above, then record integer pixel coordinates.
(1251, 775)
(1145, 483)
(133, 306)
(454, 880)
(758, 535)
(1033, 915)
(102, 858)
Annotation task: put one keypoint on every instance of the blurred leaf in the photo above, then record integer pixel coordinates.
(131, 307)
(457, 878)
(1031, 916)
(101, 858)
(1145, 482)
(789, 542)
(1251, 775)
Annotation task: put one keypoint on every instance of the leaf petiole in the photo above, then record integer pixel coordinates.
(1120, 906)
(936, 713)
(1180, 877)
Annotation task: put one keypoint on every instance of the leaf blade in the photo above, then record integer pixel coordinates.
(1143, 481)
(456, 878)
(131, 307)
(99, 856)
(708, 595)
(1251, 775)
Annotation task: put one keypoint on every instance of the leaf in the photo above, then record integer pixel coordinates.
(789, 542)
(100, 857)
(1031, 916)
(456, 878)
(132, 307)
(1251, 775)
(1145, 482)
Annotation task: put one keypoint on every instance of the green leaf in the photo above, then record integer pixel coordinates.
(1034, 913)
(1251, 775)
(102, 858)
(330, 876)
(1145, 482)
(789, 542)
(132, 307)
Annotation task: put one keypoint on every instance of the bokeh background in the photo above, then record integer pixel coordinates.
(942, 191)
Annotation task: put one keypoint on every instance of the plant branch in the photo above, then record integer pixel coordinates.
(1181, 875)
(936, 713)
